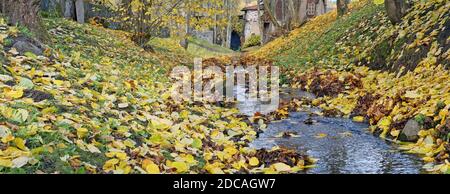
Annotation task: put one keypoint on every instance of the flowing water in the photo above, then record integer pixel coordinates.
(340, 145)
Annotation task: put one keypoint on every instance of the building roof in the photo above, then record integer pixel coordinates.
(250, 8)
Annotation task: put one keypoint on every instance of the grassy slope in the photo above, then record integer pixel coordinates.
(364, 37)
(196, 48)
(97, 103)
(87, 71)
(95, 43)
(315, 43)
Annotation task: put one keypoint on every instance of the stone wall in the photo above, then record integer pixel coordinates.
(207, 35)
(90, 11)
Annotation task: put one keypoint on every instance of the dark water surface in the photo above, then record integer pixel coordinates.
(340, 145)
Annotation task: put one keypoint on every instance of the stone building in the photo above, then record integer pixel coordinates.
(307, 9)
(251, 21)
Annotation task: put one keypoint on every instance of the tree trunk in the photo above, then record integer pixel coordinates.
(187, 29)
(216, 28)
(69, 9)
(302, 11)
(260, 22)
(270, 14)
(229, 25)
(291, 15)
(342, 7)
(3, 6)
(26, 13)
(79, 6)
(321, 7)
(396, 9)
(284, 15)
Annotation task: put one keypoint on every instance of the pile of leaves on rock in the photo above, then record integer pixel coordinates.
(411, 102)
(97, 104)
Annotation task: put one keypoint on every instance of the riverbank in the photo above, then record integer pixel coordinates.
(364, 68)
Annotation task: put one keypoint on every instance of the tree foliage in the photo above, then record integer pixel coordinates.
(147, 18)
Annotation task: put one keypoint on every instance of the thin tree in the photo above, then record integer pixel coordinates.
(270, 14)
(342, 7)
(260, 21)
(187, 26)
(229, 7)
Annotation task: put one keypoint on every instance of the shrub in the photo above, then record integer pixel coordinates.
(254, 40)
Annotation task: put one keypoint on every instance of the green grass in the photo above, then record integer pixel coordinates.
(202, 48)
(196, 48)
(251, 49)
(323, 49)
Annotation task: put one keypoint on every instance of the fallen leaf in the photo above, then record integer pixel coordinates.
(92, 148)
(321, 135)
(412, 94)
(82, 132)
(281, 167)
(6, 163)
(14, 94)
(150, 167)
(20, 162)
(181, 167)
(26, 83)
(253, 161)
(358, 119)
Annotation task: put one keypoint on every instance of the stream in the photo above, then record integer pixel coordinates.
(340, 145)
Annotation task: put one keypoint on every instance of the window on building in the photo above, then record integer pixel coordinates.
(311, 9)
